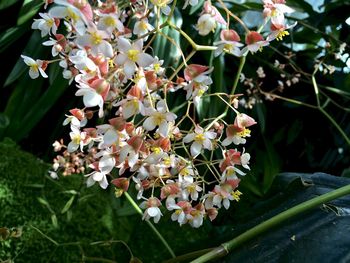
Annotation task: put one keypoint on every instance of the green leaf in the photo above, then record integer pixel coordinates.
(54, 220)
(11, 35)
(4, 121)
(68, 205)
(38, 110)
(167, 50)
(261, 112)
(294, 131)
(6, 3)
(29, 9)
(272, 164)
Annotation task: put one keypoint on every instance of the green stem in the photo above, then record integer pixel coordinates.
(329, 117)
(238, 74)
(225, 248)
(336, 125)
(138, 210)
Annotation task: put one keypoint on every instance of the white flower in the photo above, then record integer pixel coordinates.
(46, 24)
(201, 138)
(142, 27)
(77, 139)
(130, 54)
(97, 176)
(68, 11)
(109, 22)
(81, 61)
(152, 209)
(35, 67)
(160, 117)
(95, 39)
(163, 5)
(56, 48)
(128, 153)
(91, 98)
(206, 23)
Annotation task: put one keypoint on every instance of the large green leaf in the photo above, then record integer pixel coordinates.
(6, 3)
(10, 36)
(38, 110)
(169, 50)
(29, 9)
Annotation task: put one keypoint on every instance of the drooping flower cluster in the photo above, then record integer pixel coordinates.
(142, 142)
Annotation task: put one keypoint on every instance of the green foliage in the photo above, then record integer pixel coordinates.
(63, 220)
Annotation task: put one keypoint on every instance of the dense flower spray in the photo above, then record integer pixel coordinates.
(141, 142)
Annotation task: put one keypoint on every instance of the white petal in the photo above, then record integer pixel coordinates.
(120, 59)
(42, 72)
(153, 211)
(129, 68)
(195, 149)
(149, 124)
(227, 141)
(58, 12)
(106, 164)
(90, 182)
(97, 176)
(189, 137)
(33, 73)
(104, 182)
(106, 49)
(226, 203)
(210, 135)
(123, 45)
(144, 60)
(207, 144)
(164, 128)
(132, 160)
(72, 147)
(110, 137)
(91, 99)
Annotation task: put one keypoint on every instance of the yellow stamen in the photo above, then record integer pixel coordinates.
(244, 133)
(109, 21)
(133, 54)
(199, 138)
(96, 38)
(282, 34)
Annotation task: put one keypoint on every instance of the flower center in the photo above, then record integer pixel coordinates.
(160, 3)
(109, 21)
(282, 34)
(133, 54)
(158, 118)
(76, 139)
(95, 38)
(199, 138)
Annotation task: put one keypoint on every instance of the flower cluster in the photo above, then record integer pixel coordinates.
(140, 140)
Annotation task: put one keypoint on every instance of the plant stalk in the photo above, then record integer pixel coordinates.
(227, 247)
(159, 235)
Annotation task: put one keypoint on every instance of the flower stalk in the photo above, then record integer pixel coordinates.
(227, 247)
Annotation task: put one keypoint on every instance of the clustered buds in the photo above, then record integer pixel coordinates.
(140, 142)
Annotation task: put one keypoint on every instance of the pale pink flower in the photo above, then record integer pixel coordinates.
(201, 139)
(159, 117)
(130, 54)
(36, 67)
(229, 43)
(46, 24)
(152, 209)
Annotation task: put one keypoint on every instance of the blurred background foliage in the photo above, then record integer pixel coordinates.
(289, 137)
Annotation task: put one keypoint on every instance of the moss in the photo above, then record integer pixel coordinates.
(29, 198)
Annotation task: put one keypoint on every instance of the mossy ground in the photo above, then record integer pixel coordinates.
(29, 198)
